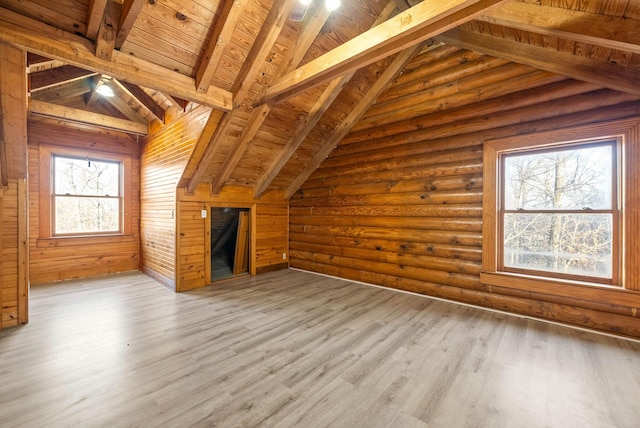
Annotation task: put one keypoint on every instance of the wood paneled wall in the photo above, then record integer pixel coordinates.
(174, 235)
(269, 238)
(13, 254)
(163, 159)
(399, 202)
(60, 259)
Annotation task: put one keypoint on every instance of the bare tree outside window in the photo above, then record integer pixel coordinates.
(87, 196)
(559, 208)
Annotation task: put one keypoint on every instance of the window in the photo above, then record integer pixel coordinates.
(87, 196)
(83, 194)
(559, 211)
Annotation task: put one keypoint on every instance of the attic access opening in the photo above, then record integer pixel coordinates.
(230, 242)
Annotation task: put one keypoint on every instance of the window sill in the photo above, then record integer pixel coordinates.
(593, 292)
(69, 241)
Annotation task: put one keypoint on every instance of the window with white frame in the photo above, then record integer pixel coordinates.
(87, 196)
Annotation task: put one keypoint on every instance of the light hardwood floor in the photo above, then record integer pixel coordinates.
(294, 349)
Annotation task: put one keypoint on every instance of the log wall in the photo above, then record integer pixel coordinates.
(58, 259)
(399, 202)
(175, 238)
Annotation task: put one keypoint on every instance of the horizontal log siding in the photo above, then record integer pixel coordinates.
(63, 259)
(163, 159)
(271, 231)
(399, 202)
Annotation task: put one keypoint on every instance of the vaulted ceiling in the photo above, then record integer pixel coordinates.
(286, 82)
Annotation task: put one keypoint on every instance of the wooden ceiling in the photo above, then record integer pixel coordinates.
(284, 93)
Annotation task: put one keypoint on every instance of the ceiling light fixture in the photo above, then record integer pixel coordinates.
(332, 5)
(104, 90)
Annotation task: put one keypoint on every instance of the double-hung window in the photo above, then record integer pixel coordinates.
(87, 196)
(561, 212)
(84, 194)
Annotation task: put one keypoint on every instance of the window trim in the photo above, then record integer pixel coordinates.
(614, 208)
(46, 187)
(627, 131)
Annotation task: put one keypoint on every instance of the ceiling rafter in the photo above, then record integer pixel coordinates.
(82, 116)
(145, 101)
(93, 97)
(381, 84)
(43, 39)
(408, 28)
(127, 104)
(313, 26)
(602, 73)
(607, 31)
(267, 36)
(313, 23)
(76, 88)
(313, 117)
(57, 76)
(130, 11)
(226, 22)
(95, 13)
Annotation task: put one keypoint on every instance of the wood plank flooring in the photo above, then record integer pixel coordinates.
(294, 349)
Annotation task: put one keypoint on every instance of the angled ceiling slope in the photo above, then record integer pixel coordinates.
(286, 85)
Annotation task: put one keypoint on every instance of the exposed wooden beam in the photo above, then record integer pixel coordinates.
(402, 4)
(228, 16)
(93, 96)
(179, 102)
(94, 17)
(130, 11)
(408, 28)
(314, 115)
(602, 30)
(125, 103)
(313, 23)
(74, 115)
(106, 40)
(234, 156)
(578, 67)
(383, 82)
(143, 98)
(271, 28)
(46, 40)
(13, 111)
(75, 88)
(37, 63)
(57, 76)
(269, 31)
(311, 28)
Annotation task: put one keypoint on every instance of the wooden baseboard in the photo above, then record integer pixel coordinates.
(271, 268)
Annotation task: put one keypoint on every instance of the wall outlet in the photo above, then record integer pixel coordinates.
(284, 256)
(203, 213)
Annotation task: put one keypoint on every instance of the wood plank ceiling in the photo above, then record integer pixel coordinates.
(285, 91)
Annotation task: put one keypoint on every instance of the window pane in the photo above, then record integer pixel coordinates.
(85, 215)
(563, 179)
(86, 177)
(575, 244)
